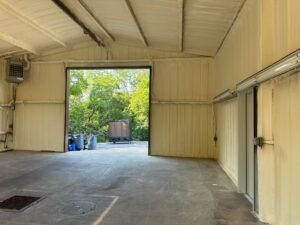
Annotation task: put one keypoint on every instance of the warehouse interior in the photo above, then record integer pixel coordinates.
(224, 112)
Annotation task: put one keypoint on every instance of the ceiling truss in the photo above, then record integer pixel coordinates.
(86, 30)
(18, 43)
(140, 30)
(97, 21)
(17, 13)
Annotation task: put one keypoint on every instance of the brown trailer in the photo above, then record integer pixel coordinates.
(119, 131)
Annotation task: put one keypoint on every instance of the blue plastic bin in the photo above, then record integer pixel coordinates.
(72, 147)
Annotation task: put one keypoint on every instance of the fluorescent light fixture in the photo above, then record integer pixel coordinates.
(289, 63)
(224, 96)
(249, 82)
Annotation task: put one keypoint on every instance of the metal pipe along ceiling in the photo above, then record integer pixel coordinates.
(86, 30)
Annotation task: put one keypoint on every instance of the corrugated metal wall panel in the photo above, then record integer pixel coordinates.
(227, 133)
(45, 82)
(266, 162)
(265, 32)
(177, 129)
(90, 51)
(182, 80)
(5, 96)
(39, 121)
(39, 127)
(182, 131)
(286, 113)
(180, 128)
(240, 55)
(280, 29)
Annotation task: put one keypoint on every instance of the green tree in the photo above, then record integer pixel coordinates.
(98, 96)
(139, 107)
(78, 87)
(107, 100)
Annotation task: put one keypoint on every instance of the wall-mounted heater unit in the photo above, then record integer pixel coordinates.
(15, 71)
(288, 64)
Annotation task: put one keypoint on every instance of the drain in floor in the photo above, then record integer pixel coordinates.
(18, 202)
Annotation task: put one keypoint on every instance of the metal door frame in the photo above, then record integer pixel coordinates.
(242, 145)
(67, 96)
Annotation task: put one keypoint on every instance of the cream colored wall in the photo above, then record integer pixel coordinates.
(180, 78)
(5, 97)
(39, 117)
(240, 55)
(90, 51)
(278, 159)
(226, 114)
(280, 36)
(286, 113)
(280, 29)
(265, 156)
(264, 32)
(181, 116)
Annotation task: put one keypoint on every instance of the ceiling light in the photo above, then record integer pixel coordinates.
(290, 63)
(224, 96)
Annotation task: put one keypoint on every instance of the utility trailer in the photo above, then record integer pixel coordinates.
(119, 131)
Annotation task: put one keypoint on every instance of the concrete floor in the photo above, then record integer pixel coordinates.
(120, 187)
(134, 145)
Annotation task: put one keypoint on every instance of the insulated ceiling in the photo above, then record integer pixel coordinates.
(192, 26)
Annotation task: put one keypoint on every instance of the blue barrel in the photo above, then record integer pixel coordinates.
(72, 147)
(79, 142)
(92, 143)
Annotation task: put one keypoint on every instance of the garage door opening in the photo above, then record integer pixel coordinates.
(108, 109)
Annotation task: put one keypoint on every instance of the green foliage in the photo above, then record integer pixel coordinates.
(78, 82)
(98, 96)
(139, 107)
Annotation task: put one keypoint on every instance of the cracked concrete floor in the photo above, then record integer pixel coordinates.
(122, 186)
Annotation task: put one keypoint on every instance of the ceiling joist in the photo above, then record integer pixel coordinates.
(15, 42)
(181, 24)
(97, 21)
(71, 15)
(140, 30)
(12, 53)
(17, 13)
(231, 26)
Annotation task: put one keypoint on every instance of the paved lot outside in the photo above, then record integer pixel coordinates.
(134, 145)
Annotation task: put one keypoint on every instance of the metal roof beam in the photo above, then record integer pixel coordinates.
(231, 26)
(140, 30)
(18, 43)
(97, 21)
(72, 15)
(17, 13)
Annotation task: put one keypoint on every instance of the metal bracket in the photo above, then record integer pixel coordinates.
(258, 141)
